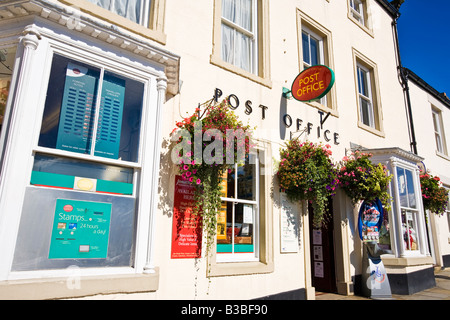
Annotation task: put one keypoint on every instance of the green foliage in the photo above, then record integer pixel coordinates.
(362, 180)
(306, 172)
(434, 196)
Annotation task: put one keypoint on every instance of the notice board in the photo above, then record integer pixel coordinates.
(186, 228)
(80, 230)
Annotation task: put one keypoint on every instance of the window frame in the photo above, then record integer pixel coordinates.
(244, 257)
(262, 40)
(265, 245)
(439, 133)
(359, 60)
(362, 18)
(364, 75)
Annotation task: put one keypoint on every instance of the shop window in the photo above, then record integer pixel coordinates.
(439, 131)
(315, 49)
(367, 93)
(241, 39)
(80, 208)
(238, 220)
(134, 10)
(91, 111)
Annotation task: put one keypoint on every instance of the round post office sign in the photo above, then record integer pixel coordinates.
(313, 83)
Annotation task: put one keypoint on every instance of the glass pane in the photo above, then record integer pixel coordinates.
(238, 12)
(362, 82)
(315, 56)
(410, 188)
(130, 9)
(409, 230)
(305, 46)
(243, 52)
(225, 228)
(70, 111)
(7, 57)
(243, 228)
(70, 106)
(228, 45)
(366, 112)
(247, 181)
(401, 182)
(66, 173)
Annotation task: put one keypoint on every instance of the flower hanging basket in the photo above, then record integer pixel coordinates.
(434, 196)
(203, 152)
(362, 180)
(306, 172)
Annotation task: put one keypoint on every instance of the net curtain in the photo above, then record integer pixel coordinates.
(236, 46)
(130, 9)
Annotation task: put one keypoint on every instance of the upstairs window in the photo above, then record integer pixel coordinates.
(439, 131)
(239, 30)
(365, 97)
(134, 10)
(357, 9)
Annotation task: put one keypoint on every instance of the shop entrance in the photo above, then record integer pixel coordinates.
(322, 253)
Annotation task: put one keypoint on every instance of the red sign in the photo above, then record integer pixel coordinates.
(313, 83)
(186, 227)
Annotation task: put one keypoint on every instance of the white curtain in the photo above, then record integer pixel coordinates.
(130, 9)
(236, 46)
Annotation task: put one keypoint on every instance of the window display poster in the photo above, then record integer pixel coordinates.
(80, 230)
(187, 227)
(77, 110)
(110, 119)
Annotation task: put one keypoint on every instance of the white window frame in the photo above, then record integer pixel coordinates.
(144, 74)
(439, 131)
(357, 9)
(144, 17)
(252, 34)
(244, 257)
(364, 73)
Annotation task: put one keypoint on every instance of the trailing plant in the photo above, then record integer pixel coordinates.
(306, 172)
(434, 196)
(362, 180)
(207, 144)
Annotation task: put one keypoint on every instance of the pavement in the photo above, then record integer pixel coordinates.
(440, 292)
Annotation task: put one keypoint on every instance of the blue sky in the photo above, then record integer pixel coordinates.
(424, 36)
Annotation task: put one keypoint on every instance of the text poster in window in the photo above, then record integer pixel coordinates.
(186, 228)
(110, 117)
(77, 110)
(80, 230)
(289, 225)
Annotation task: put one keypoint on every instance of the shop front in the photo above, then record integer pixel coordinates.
(80, 110)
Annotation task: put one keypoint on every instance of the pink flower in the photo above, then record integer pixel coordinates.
(185, 167)
(191, 179)
(188, 174)
(198, 181)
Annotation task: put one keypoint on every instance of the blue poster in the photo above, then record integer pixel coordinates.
(110, 119)
(77, 110)
(80, 230)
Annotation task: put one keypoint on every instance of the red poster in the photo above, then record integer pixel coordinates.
(186, 228)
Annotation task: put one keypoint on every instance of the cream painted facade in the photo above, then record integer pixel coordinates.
(176, 60)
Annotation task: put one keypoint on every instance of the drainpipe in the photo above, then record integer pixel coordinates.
(404, 81)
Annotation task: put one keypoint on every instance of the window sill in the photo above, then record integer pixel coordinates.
(390, 260)
(69, 287)
(362, 27)
(240, 268)
(371, 130)
(215, 60)
(442, 155)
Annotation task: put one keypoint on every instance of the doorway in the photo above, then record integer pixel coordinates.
(322, 252)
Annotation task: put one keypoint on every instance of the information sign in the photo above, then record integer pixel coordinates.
(80, 230)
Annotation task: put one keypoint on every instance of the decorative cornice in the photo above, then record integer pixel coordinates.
(81, 22)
